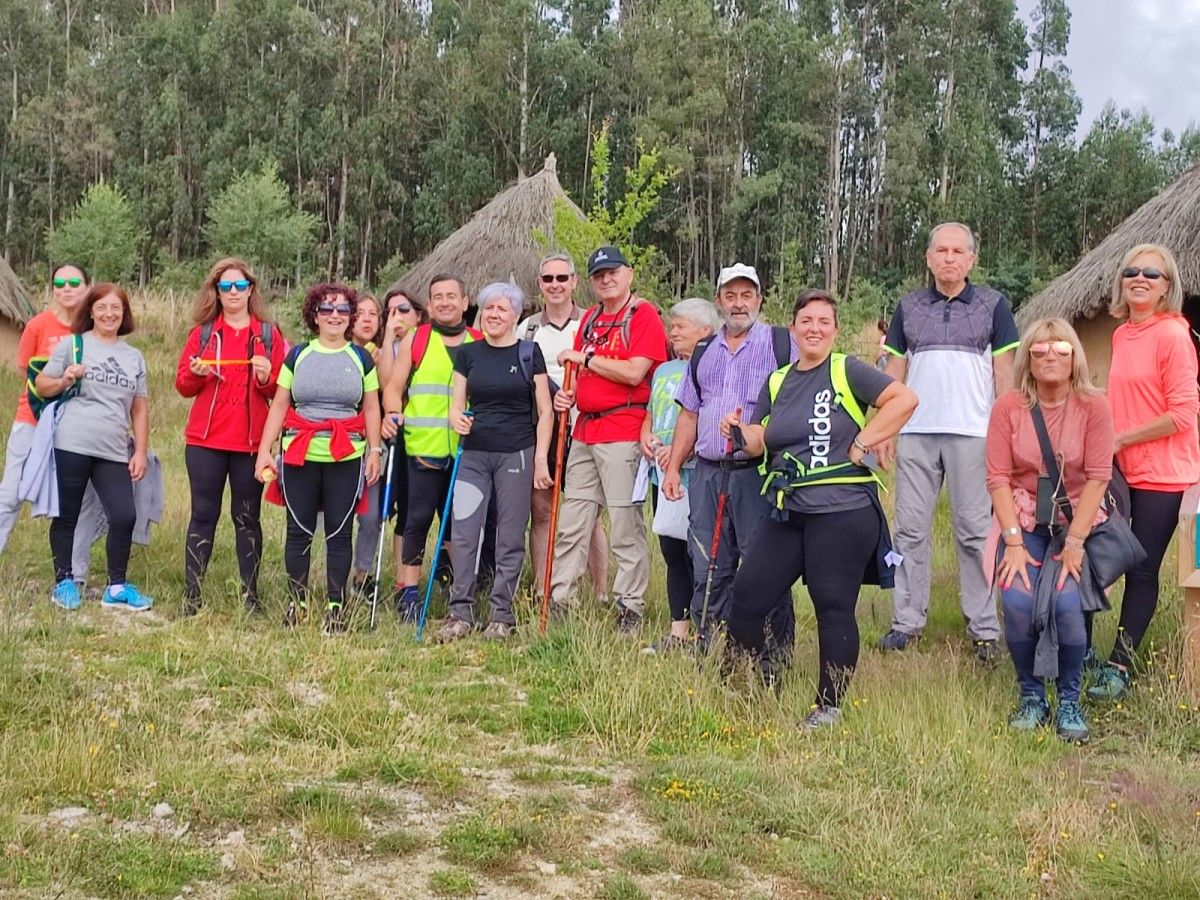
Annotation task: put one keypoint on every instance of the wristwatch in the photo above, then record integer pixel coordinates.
(587, 359)
(1010, 532)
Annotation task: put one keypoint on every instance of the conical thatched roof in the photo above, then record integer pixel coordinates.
(498, 243)
(1172, 218)
(15, 303)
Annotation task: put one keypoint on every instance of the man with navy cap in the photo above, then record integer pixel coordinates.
(619, 344)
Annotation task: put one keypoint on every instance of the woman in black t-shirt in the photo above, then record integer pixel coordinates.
(827, 524)
(505, 439)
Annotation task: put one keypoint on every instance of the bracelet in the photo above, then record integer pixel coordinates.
(378, 450)
(860, 445)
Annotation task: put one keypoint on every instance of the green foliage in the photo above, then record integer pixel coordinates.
(102, 232)
(254, 218)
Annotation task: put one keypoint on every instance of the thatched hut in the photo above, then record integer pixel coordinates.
(499, 242)
(1081, 295)
(16, 308)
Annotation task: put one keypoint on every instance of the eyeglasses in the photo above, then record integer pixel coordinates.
(328, 309)
(1149, 273)
(226, 286)
(550, 279)
(63, 282)
(400, 308)
(1061, 349)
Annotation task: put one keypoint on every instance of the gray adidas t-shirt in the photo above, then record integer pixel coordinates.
(96, 421)
(808, 424)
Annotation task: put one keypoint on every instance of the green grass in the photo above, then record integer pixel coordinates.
(470, 768)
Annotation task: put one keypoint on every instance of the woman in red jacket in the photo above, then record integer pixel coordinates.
(228, 366)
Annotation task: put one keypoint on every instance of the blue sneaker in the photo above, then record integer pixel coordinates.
(129, 598)
(1070, 724)
(1108, 683)
(66, 595)
(1032, 713)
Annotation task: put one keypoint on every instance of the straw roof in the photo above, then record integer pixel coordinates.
(1172, 218)
(15, 302)
(498, 243)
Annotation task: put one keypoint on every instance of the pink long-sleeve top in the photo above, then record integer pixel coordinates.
(1153, 373)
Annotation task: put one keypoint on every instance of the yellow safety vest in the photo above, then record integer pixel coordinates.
(427, 430)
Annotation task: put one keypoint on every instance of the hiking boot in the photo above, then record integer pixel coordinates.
(670, 644)
(66, 594)
(1069, 723)
(497, 631)
(453, 630)
(129, 598)
(191, 605)
(1032, 713)
(252, 605)
(987, 652)
(408, 604)
(335, 619)
(1110, 683)
(896, 640)
(821, 717)
(628, 621)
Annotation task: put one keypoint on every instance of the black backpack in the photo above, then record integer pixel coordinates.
(781, 343)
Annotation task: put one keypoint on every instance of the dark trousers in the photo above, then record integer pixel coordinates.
(331, 488)
(1153, 516)
(114, 487)
(831, 551)
(208, 470)
(427, 488)
(680, 580)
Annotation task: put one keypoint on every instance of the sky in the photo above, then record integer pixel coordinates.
(1138, 53)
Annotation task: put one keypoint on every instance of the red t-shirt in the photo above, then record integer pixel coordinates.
(608, 422)
(39, 337)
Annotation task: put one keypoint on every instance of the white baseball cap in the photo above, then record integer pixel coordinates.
(738, 270)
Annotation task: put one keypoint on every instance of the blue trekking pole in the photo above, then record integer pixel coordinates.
(384, 512)
(445, 521)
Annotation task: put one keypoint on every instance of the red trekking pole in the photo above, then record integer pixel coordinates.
(564, 421)
(714, 548)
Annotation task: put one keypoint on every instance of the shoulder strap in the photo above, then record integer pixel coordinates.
(293, 355)
(419, 345)
(1051, 461)
(781, 343)
(268, 337)
(363, 358)
(525, 357)
(628, 319)
(694, 362)
(206, 331)
(77, 347)
(531, 328)
(586, 323)
(841, 388)
(475, 333)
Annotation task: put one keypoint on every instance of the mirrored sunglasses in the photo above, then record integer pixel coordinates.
(1061, 349)
(226, 286)
(63, 282)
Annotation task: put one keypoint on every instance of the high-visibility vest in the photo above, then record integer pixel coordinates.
(427, 430)
(778, 482)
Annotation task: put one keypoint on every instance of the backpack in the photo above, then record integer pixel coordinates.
(37, 402)
(268, 337)
(587, 325)
(421, 343)
(781, 344)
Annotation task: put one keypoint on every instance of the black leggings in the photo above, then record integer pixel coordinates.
(114, 487)
(208, 470)
(679, 569)
(331, 488)
(426, 497)
(831, 551)
(1153, 516)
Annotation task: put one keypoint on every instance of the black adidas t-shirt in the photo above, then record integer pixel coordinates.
(499, 395)
(808, 424)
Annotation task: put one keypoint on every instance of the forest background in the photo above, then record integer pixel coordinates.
(817, 140)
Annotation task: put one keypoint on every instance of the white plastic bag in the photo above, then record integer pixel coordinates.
(671, 516)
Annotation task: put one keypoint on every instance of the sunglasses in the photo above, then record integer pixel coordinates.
(550, 279)
(328, 309)
(1061, 349)
(400, 308)
(1149, 273)
(63, 282)
(226, 286)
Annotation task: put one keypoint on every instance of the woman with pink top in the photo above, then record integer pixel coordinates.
(1152, 394)
(1052, 381)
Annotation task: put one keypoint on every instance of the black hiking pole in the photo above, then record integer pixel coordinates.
(383, 520)
(715, 546)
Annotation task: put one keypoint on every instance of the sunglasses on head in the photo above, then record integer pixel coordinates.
(1149, 272)
(328, 309)
(226, 286)
(63, 282)
(400, 308)
(550, 279)
(1061, 349)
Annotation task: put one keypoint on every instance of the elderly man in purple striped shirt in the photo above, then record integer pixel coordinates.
(725, 374)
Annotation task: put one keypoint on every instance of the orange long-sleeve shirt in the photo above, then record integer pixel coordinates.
(1153, 373)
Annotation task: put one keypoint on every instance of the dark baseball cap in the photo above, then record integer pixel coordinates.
(606, 258)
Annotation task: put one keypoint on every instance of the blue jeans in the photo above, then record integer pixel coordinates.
(1017, 603)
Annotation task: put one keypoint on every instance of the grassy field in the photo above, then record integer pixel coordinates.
(222, 757)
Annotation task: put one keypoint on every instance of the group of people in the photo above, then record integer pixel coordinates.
(754, 442)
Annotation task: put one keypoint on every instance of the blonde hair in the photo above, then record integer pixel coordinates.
(1172, 300)
(1051, 330)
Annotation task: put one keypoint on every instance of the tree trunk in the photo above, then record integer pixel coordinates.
(523, 87)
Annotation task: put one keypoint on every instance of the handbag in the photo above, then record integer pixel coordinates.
(1111, 548)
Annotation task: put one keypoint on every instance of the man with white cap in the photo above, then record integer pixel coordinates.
(726, 373)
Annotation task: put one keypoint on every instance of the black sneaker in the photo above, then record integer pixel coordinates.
(628, 621)
(252, 605)
(896, 640)
(335, 619)
(987, 652)
(191, 605)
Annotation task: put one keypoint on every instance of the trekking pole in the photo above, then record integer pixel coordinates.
(383, 520)
(715, 546)
(564, 420)
(441, 535)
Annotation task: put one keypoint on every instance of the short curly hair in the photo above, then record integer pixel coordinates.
(318, 293)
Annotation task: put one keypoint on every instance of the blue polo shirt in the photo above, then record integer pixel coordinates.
(950, 342)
